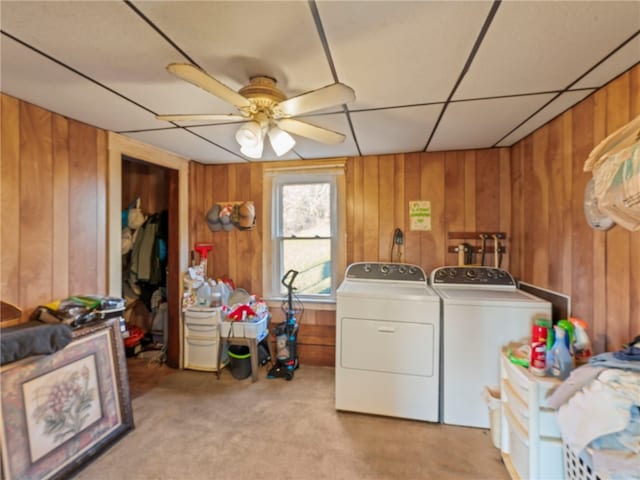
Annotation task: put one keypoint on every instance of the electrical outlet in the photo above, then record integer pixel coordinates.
(398, 237)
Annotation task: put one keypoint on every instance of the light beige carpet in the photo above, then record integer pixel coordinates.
(193, 426)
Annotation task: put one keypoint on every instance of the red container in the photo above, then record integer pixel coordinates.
(537, 360)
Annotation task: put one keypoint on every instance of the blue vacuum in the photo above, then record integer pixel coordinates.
(286, 334)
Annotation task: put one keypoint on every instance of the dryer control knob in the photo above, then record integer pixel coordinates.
(402, 269)
(384, 269)
(471, 273)
(367, 268)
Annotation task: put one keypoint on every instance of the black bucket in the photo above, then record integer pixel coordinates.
(239, 361)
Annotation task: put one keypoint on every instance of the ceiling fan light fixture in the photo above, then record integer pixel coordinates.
(281, 141)
(252, 151)
(263, 106)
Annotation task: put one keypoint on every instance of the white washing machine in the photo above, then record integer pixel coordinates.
(482, 311)
(387, 342)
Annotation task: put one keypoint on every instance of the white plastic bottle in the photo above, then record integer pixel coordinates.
(204, 295)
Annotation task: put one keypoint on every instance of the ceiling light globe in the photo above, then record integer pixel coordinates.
(281, 141)
(249, 135)
(252, 151)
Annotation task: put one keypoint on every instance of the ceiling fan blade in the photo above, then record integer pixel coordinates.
(202, 79)
(334, 94)
(201, 117)
(319, 134)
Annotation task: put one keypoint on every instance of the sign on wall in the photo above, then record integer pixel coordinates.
(420, 215)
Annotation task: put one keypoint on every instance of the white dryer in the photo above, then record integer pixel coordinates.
(482, 310)
(387, 342)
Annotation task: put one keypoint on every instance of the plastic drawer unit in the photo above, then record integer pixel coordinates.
(531, 442)
(201, 338)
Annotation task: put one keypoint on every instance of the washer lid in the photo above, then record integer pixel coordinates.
(474, 295)
(388, 290)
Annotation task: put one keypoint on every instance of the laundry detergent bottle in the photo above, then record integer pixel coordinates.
(559, 361)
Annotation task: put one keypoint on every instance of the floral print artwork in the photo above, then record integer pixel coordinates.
(62, 404)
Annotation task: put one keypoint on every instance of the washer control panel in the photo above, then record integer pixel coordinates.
(395, 272)
(471, 276)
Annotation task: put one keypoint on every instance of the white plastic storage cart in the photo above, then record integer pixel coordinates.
(531, 439)
(201, 338)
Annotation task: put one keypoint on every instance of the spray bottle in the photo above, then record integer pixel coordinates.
(559, 361)
(582, 344)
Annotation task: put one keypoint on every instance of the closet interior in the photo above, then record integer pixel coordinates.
(145, 244)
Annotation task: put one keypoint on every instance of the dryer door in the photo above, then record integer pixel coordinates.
(391, 347)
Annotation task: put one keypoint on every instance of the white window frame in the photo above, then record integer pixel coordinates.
(278, 175)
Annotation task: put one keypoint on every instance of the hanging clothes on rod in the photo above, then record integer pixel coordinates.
(146, 268)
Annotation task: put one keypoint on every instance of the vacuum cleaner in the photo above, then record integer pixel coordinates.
(286, 334)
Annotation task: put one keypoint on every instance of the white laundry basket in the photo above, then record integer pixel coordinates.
(579, 466)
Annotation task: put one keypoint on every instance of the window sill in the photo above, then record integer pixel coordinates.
(315, 304)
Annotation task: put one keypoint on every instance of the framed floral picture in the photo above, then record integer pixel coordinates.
(59, 411)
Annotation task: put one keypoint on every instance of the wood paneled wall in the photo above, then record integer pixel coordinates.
(53, 203)
(468, 191)
(236, 254)
(551, 242)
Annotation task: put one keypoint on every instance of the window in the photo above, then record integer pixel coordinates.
(306, 231)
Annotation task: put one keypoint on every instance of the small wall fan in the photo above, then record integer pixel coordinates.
(267, 111)
(596, 218)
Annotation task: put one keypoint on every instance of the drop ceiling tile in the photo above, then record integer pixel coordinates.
(618, 63)
(555, 108)
(186, 145)
(545, 46)
(394, 130)
(110, 43)
(236, 40)
(401, 53)
(481, 123)
(29, 76)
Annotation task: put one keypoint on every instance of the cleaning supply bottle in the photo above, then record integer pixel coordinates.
(569, 339)
(581, 344)
(538, 351)
(559, 361)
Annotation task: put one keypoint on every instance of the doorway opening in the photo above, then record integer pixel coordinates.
(162, 180)
(145, 261)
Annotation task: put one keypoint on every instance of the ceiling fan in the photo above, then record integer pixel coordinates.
(267, 111)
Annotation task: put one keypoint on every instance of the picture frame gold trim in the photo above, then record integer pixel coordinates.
(60, 411)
